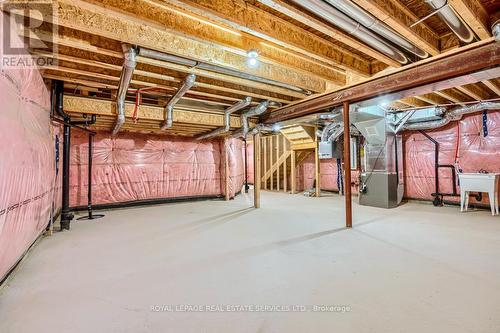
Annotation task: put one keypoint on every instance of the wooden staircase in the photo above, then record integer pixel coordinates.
(282, 153)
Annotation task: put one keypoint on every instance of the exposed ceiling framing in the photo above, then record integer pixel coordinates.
(296, 47)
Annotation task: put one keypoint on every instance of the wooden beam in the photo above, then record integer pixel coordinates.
(433, 99)
(285, 176)
(183, 69)
(328, 30)
(474, 14)
(414, 102)
(225, 142)
(293, 175)
(347, 166)
(190, 24)
(76, 44)
(277, 161)
(257, 171)
(479, 62)
(317, 171)
(474, 91)
(242, 16)
(154, 76)
(399, 17)
(452, 95)
(82, 16)
(271, 159)
(264, 154)
(82, 105)
(492, 86)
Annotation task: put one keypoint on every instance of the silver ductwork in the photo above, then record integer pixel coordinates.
(382, 184)
(452, 115)
(129, 63)
(495, 30)
(227, 118)
(255, 111)
(344, 22)
(169, 108)
(148, 53)
(358, 14)
(452, 20)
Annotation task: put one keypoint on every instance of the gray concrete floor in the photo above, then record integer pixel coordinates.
(416, 268)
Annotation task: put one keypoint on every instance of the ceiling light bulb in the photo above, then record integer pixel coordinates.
(252, 62)
(253, 53)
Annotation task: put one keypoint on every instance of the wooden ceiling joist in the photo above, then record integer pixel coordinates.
(243, 16)
(396, 15)
(80, 44)
(473, 12)
(493, 86)
(329, 30)
(478, 63)
(433, 99)
(96, 20)
(475, 92)
(81, 105)
(453, 95)
(167, 16)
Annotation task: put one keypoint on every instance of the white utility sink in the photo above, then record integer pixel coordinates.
(479, 182)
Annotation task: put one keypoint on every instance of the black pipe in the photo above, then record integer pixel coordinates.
(396, 160)
(89, 178)
(66, 216)
(90, 215)
(438, 196)
(246, 167)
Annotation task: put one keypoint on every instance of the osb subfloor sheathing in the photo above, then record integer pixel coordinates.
(416, 268)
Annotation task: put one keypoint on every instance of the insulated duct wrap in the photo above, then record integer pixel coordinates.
(28, 184)
(453, 115)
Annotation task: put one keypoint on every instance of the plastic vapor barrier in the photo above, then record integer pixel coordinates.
(249, 160)
(132, 167)
(236, 166)
(27, 163)
(464, 141)
(329, 179)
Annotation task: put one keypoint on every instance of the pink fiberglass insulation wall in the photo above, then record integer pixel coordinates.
(27, 167)
(236, 165)
(133, 167)
(249, 161)
(328, 175)
(464, 139)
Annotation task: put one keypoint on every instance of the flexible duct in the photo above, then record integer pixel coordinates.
(255, 111)
(452, 20)
(217, 69)
(339, 19)
(129, 63)
(495, 30)
(227, 119)
(169, 108)
(370, 22)
(452, 115)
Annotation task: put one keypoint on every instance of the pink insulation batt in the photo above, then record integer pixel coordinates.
(27, 163)
(132, 167)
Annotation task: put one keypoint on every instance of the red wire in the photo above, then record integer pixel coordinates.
(138, 100)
